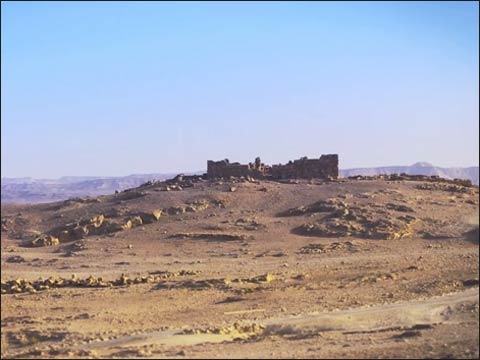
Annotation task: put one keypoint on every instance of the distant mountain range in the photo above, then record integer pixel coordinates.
(29, 190)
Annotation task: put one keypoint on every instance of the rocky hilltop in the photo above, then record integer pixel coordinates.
(29, 190)
(419, 168)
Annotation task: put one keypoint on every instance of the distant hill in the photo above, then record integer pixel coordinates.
(30, 190)
(419, 168)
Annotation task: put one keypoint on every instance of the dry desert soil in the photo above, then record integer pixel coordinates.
(241, 268)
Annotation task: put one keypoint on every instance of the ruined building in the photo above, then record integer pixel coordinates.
(326, 167)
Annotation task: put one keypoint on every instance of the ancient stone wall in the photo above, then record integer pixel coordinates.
(224, 168)
(326, 167)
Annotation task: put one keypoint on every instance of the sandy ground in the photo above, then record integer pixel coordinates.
(264, 269)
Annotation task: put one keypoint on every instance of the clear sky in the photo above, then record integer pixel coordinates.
(117, 88)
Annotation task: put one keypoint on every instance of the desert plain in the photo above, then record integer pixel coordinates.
(381, 267)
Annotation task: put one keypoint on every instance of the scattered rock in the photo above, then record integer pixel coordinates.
(266, 278)
(136, 221)
(23, 286)
(127, 225)
(45, 240)
(408, 334)
(398, 207)
(175, 210)
(210, 236)
(470, 282)
(448, 187)
(15, 259)
(148, 218)
(249, 224)
(335, 246)
(221, 203)
(130, 194)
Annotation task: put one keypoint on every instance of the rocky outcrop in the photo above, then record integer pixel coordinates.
(78, 230)
(406, 177)
(359, 221)
(329, 205)
(421, 168)
(101, 225)
(335, 246)
(448, 187)
(197, 205)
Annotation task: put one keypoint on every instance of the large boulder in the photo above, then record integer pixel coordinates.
(157, 214)
(132, 222)
(127, 225)
(45, 240)
(97, 221)
(136, 221)
(151, 217)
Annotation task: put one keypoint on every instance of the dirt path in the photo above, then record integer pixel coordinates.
(415, 314)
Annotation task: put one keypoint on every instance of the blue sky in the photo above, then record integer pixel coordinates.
(117, 88)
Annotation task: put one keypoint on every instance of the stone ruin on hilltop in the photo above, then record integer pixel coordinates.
(326, 167)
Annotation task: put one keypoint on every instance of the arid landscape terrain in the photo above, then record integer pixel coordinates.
(364, 267)
(30, 190)
(240, 180)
